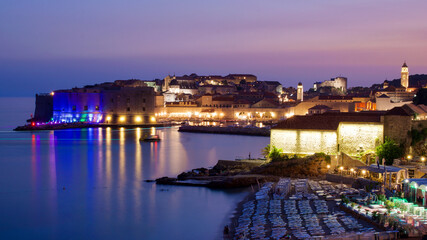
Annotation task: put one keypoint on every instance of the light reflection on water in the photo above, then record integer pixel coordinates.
(89, 183)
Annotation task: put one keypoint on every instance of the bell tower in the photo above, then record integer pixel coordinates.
(404, 79)
(300, 92)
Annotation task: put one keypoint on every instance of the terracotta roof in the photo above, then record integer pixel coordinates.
(320, 107)
(416, 109)
(242, 101)
(223, 98)
(383, 96)
(423, 107)
(390, 89)
(328, 121)
(399, 111)
(276, 83)
(271, 101)
(335, 98)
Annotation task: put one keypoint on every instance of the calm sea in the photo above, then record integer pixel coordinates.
(89, 183)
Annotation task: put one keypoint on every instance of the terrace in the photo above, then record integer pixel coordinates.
(302, 209)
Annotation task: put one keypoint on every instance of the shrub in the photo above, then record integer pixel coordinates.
(389, 150)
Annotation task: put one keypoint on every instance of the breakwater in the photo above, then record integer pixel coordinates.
(253, 131)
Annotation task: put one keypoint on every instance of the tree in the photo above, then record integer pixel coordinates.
(421, 97)
(275, 154)
(389, 150)
(266, 151)
(272, 153)
(420, 148)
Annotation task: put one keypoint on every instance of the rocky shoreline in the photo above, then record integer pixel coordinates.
(245, 173)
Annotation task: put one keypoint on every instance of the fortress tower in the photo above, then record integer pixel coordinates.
(404, 79)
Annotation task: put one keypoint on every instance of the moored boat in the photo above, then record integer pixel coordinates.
(151, 138)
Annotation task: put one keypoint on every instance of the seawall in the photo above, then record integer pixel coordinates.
(85, 125)
(227, 130)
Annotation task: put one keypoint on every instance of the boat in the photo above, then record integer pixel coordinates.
(150, 138)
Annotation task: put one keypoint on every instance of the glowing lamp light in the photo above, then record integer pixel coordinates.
(138, 119)
(328, 166)
(351, 170)
(363, 172)
(341, 168)
(409, 157)
(221, 114)
(52, 93)
(153, 119)
(406, 181)
(122, 119)
(423, 159)
(108, 118)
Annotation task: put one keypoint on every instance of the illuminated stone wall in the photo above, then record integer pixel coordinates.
(397, 127)
(356, 137)
(304, 141)
(349, 138)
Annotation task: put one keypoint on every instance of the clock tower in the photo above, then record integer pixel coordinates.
(404, 79)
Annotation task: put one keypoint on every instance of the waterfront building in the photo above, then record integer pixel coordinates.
(336, 103)
(112, 103)
(350, 133)
(44, 108)
(330, 133)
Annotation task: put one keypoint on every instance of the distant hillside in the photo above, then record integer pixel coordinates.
(417, 80)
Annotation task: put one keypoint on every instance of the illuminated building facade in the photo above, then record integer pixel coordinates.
(110, 104)
(333, 133)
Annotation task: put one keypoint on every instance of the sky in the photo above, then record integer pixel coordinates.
(50, 45)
